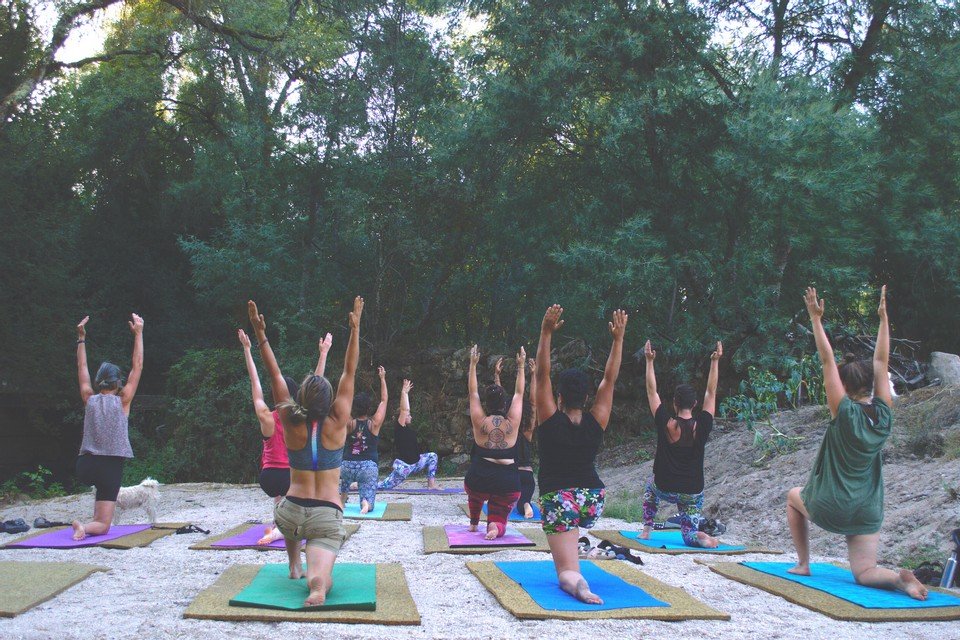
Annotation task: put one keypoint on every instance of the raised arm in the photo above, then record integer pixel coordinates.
(710, 397)
(497, 368)
(405, 402)
(325, 345)
(604, 403)
(653, 398)
(543, 401)
(277, 385)
(516, 406)
(136, 366)
(881, 354)
(831, 375)
(532, 390)
(340, 411)
(264, 416)
(381, 413)
(473, 393)
(83, 371)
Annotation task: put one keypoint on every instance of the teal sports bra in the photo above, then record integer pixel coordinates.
(314, 456)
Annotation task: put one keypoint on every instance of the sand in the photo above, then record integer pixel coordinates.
(147, 590)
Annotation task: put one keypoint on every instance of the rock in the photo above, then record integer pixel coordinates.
(945, 366)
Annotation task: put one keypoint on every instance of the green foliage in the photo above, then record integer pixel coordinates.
(32, 484)
(624, 505)
(757, 401)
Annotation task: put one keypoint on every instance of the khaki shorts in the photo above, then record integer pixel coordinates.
(321, 526)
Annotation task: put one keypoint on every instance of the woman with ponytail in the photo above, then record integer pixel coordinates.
(678, 465)
(314, 430)
(844, 493)
(106, 441)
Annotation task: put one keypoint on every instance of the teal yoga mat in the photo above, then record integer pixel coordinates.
(352, 510)
(672, 539)
(517, 516)
(354, 588)
(839, 583)
(539, 580)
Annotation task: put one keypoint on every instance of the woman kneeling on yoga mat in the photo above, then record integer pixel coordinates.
(106, 439)
(314, 430)
(360, 454)
(528, 418)
(274, 466)
(844, 493)
(492, 476)
(571, 492)
(678, 466)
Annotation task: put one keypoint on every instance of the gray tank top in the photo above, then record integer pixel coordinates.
(105, 427)
(314, 456)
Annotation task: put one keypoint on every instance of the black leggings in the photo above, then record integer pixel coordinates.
(527, 486)
(275, 482)
(103, 472)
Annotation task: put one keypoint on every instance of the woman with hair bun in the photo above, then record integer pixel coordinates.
(844, 493)
(493, 476)
(314, 431)
(682, 435)
(106, 440)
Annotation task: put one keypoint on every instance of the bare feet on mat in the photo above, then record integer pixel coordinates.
(491, 531)
(432, 483)
(528, 511)
(78, 532)
(364, 506)
(581, 591)
(645, 534)
(707, 541)
(270, 535)
(908, 583)
(318, 592)
(296, 571)
(472, 528)
(800, 570)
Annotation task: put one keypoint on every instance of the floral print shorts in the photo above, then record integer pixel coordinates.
(567, 509)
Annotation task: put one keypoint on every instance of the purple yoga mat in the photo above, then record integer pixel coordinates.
(63, 538)
(459, 535)
(248, 540)
(424, 490)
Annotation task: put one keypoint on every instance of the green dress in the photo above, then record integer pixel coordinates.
(845, 491)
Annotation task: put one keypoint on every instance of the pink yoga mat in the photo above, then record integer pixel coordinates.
(248, 540)
(63, 538)
(459, 535)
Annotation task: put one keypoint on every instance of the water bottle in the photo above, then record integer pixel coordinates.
(950, 568)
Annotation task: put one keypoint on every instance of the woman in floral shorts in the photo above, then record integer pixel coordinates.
(571, 492)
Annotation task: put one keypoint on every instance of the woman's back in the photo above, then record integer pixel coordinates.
(105, 427)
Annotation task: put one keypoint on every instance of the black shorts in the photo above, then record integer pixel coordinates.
(484, 476)
(275, 482)
(103, 472)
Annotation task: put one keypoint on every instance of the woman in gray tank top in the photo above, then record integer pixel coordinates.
(106, 443)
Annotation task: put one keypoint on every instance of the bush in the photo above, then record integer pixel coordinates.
(33, 484)
(624, 505)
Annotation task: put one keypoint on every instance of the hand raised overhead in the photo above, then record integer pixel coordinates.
(381, 372)
(136, 324)
(551, 319)
(532, 364)
(814, 305)
(257, 320)
(82, 328)
(882, 309)
(649, 352)
(474, 355)
(521, 358)
(498, 368)
(356, 313)
(326, 343)
(244, 339)
(716, 355)
(407, 385)
(618, 326)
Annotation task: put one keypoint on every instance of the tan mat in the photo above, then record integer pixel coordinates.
(27, 584)
(466, 510)
(435, 541)
(395, 605)
(394, 511)
(823, 602)
(132, 541)
(207, 543)
(515, 600)
(614, 537)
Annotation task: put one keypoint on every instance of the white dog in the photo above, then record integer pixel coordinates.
(143, 495)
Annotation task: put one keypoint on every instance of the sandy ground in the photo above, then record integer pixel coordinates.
(146, 592)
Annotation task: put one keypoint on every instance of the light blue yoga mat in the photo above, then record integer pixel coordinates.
(539, 580)
(517, 516)
(673, 539)
(352, 510)
(839, 583)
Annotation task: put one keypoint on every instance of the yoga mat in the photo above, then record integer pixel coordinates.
(354, 587)
(27, 584)
(459, 535)
(517, 601)
(435, 541)
(424, 491)
(827, 604)
(120, 536)
(515, 516)
(628, 539)
(839, 582)
(395, 605)
(381, 511)
(245, 536)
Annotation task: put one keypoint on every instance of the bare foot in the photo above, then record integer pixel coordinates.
(270, 535)
(432, 483)
(528, 511)
(582, 593)
(707, 541)
(645, 534)
(364, 506)
(78, 531)
(318, 593)
(472, 528)
(491, 531)
(908, 583)
(800, 570)
(296, 571)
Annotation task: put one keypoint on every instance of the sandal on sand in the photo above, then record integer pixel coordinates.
(583, 547)
(43, 523)
(16, 526)
(192, 528)
(601, 554)
(621, 553)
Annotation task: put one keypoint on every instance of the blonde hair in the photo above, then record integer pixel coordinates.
(312, 402)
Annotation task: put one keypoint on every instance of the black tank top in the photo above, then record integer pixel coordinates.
(567, 453)
(361, 444)
(524, 454)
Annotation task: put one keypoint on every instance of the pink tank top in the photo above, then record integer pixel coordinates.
(274, 448)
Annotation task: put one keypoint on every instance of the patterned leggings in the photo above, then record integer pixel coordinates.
(401, 470)
(364, 473)
(689, 506)
(499, 506)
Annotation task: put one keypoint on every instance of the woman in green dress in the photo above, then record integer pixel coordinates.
(844, 493)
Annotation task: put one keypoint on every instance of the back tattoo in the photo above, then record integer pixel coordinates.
(496, 432)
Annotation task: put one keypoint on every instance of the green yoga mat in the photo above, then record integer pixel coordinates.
(354, 588)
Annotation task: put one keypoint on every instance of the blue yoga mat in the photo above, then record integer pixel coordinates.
(352, 510)
(539, 580)
(840, 584)
(517, 516)
(673, 539)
